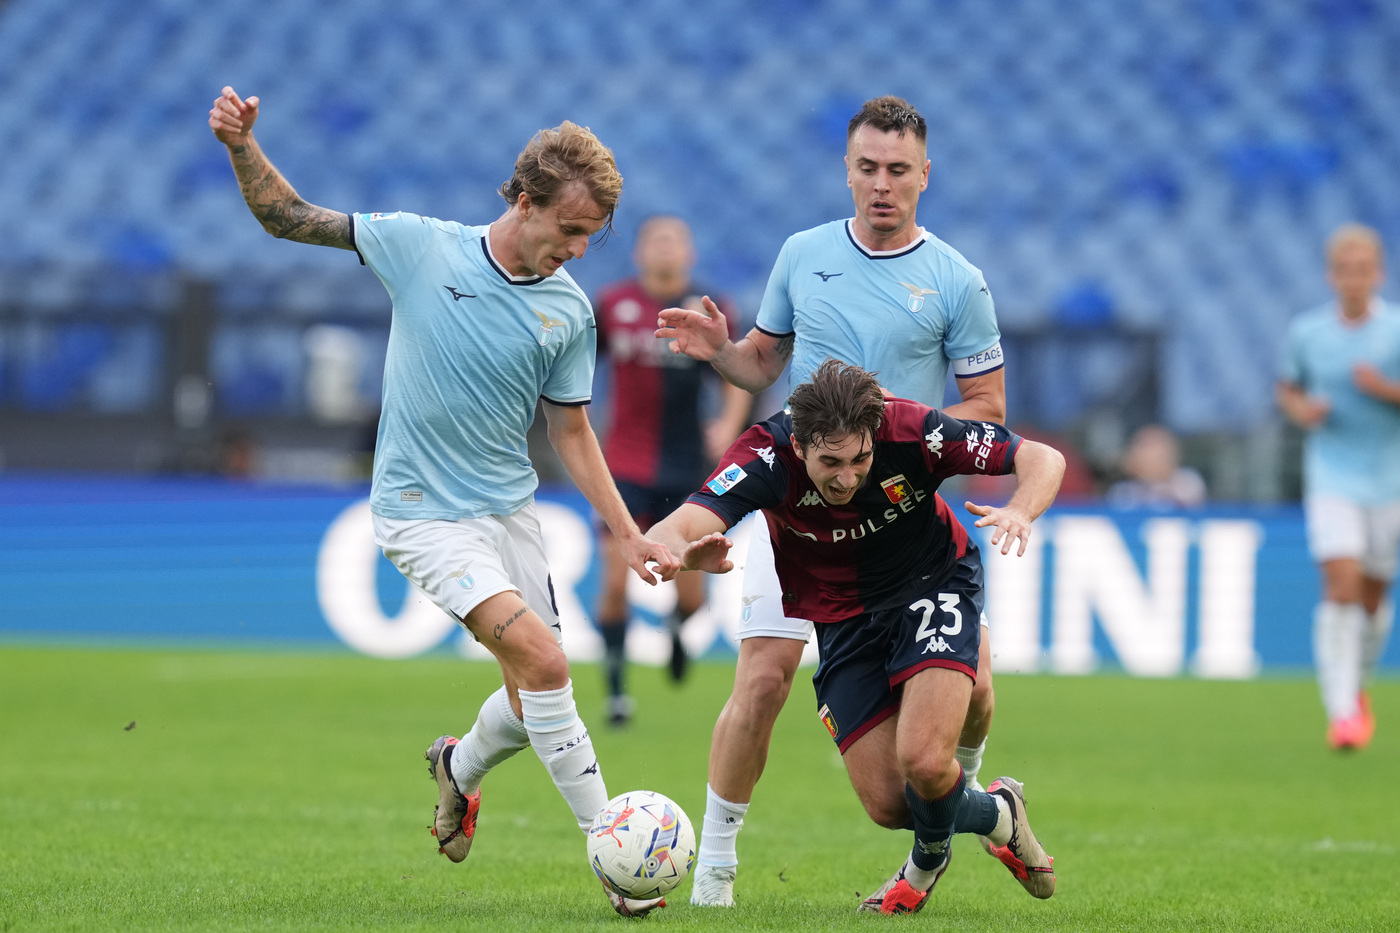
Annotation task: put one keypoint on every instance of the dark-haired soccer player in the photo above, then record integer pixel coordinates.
(485, 324)
(866, 548)
(657, 444)
(878, 291)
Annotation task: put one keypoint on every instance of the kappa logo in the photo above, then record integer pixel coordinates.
(935, 441)
(812, 498)
(915, 301)
(936, 645)
(547, 325)
(727, 479)
(766, 453)
(937, 847)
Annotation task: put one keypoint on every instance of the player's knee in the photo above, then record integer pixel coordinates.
(931, 772)
(763, 690)
(982, 700)
(543, 667)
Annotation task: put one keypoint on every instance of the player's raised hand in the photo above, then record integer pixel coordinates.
(697, 334)
(1011, 525)
(232, 118)
(640, 551)
(709, 554)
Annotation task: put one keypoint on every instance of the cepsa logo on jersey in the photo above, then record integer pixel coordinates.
(980, 447)
(727, 479)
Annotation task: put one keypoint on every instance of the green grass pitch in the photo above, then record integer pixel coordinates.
(284, 791)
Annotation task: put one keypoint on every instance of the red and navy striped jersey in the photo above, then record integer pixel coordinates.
(656, 435)
(896, 534)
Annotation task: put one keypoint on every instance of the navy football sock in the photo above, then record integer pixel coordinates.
(614, 654)
(933, 823)
(977, 814)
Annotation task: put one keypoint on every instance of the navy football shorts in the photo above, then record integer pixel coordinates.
(866, 658)
(650, 504)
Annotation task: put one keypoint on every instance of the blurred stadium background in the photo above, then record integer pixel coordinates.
(1147, 187)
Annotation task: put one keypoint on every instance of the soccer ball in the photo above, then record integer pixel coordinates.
(641, 844)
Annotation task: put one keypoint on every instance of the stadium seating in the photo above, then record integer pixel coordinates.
(1167, 164)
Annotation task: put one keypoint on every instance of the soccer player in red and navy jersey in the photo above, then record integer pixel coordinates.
(866, 548)
(658, 446)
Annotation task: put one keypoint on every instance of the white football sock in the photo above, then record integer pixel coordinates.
(1001, 833)
(561, 740)
(971, 761)
(1337, 634)
(1378, 625)
(718, 835)
(497, 735)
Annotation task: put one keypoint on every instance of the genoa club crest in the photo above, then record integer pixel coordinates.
(897, 488)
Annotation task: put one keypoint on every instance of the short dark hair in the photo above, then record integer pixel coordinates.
(889, 113)
(838, 401)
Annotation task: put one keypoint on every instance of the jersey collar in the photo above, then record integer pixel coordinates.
(923, 237)
(500, 269)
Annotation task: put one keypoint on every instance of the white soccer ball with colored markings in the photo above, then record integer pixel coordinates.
(641, 844)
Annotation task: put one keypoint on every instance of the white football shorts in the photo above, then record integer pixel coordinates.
(1338, 528)
(459, 564)
(762, 613)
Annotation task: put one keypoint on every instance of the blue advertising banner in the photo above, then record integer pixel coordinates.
(1216, 592)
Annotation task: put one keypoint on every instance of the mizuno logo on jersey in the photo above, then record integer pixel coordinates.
(811, 497)
(935, 442)
(936, 645)
(456, 295)
(766, 453)
(727, 479)
(828, 275)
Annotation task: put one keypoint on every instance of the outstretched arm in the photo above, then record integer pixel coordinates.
(697, 534)
(573, 439)
(983, 398)
(275, 203)
(753, 363)
(1039, 470)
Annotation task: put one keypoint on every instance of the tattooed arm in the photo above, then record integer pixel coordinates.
(275, 203)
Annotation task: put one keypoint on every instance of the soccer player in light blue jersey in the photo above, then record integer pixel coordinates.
(485, 324)
(1340, 381)
(880, 292)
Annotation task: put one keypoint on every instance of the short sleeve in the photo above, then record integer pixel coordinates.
(749, 477)
(392, 245)
(570, 379)
(973, 340)
(952, 446)
(775, 314)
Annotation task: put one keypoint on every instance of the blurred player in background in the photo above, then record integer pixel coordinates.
(485, 324)
(656, 445)
(1340, 382)
(880, 292)
(869, 551)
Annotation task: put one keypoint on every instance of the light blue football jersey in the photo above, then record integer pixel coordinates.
(471, 350)
(907, 314)
(1355, 452)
